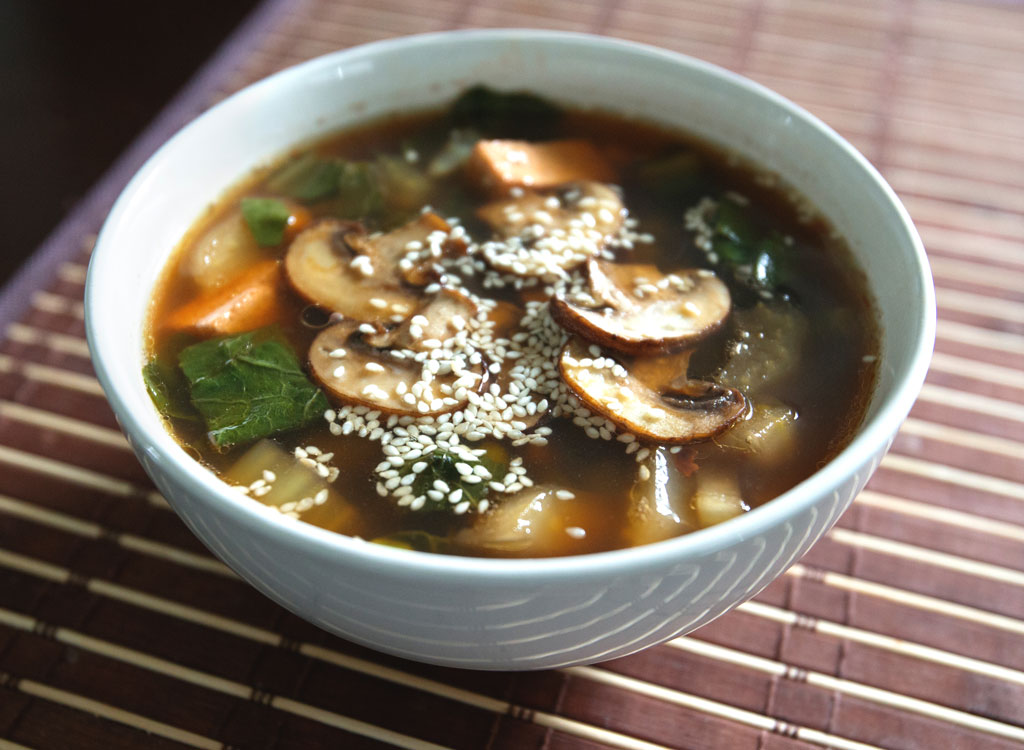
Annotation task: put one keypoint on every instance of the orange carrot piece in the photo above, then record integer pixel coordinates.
(299, 218)
(500, 165)
(250, 301)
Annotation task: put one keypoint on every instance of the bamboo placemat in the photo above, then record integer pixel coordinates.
(902, 628)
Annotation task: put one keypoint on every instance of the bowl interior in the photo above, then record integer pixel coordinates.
(257, 125)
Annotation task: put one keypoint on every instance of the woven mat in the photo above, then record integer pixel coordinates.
(903, 628)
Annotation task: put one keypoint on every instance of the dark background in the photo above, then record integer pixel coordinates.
(78, 81)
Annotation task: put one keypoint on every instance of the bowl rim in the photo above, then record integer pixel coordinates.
(194, 479)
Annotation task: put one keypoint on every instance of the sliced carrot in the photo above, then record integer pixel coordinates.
(250, 301)
(299, 218)
(500, 165)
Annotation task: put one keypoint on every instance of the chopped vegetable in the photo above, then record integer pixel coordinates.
(675, 178)
(268, 473)
(249, 386)
(267, 219)
(250, 301)
(718, 497)
(532, 522)
(223, 252)
(760, 262)
(166, 387)
(445, 469)
(405, 188)
(501, 165)
(768, 434)
(454, 154)
(511, 114)
(420, 541)
(660, 501)
(767, 346)
(307, 178)
(359, 195)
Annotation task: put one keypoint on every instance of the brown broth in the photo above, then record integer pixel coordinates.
(828, 389)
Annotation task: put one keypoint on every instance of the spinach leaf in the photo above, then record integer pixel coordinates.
(168, 389)
(500, 114)
(248, 387)
(307, 178)
(759, 262)
(266, 219)
(441, 465)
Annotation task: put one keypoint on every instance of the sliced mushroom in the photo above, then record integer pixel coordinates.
(504, 320)
(354, 368)
(545, 233)
(412, 250)
(690, 410)
(443, 317)
(324, 269)
(635, 309)
(335, 265)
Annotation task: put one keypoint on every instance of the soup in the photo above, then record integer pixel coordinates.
(511, 329)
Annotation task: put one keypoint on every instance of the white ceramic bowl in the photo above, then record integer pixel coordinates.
(503, 614)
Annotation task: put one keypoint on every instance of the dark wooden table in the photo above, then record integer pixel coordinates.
(902, 629)
(80, 81)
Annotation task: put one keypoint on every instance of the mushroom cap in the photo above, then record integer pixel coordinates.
(505, 319)
(688, 411)
(412, 250)
(635, 309)
(545, 233)
(337, 266)
(353, 370)
(319, 266)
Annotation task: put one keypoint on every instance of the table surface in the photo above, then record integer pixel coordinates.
(902, 628)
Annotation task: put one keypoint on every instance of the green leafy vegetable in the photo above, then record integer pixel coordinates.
(307, 178)
(759, 262)
(168, 390)
(675, 178)
(513, 114)
(421, 541)
(441, 465)
(359, 194)
(248, 387)
(266, 219)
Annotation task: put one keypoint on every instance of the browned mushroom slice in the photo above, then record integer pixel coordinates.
(440, 319)
(549, 232)
(689, 411)
(505, 319)
(352, 371)
(323, 267)
(635, 309)
(412, 250)
(337, 266)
